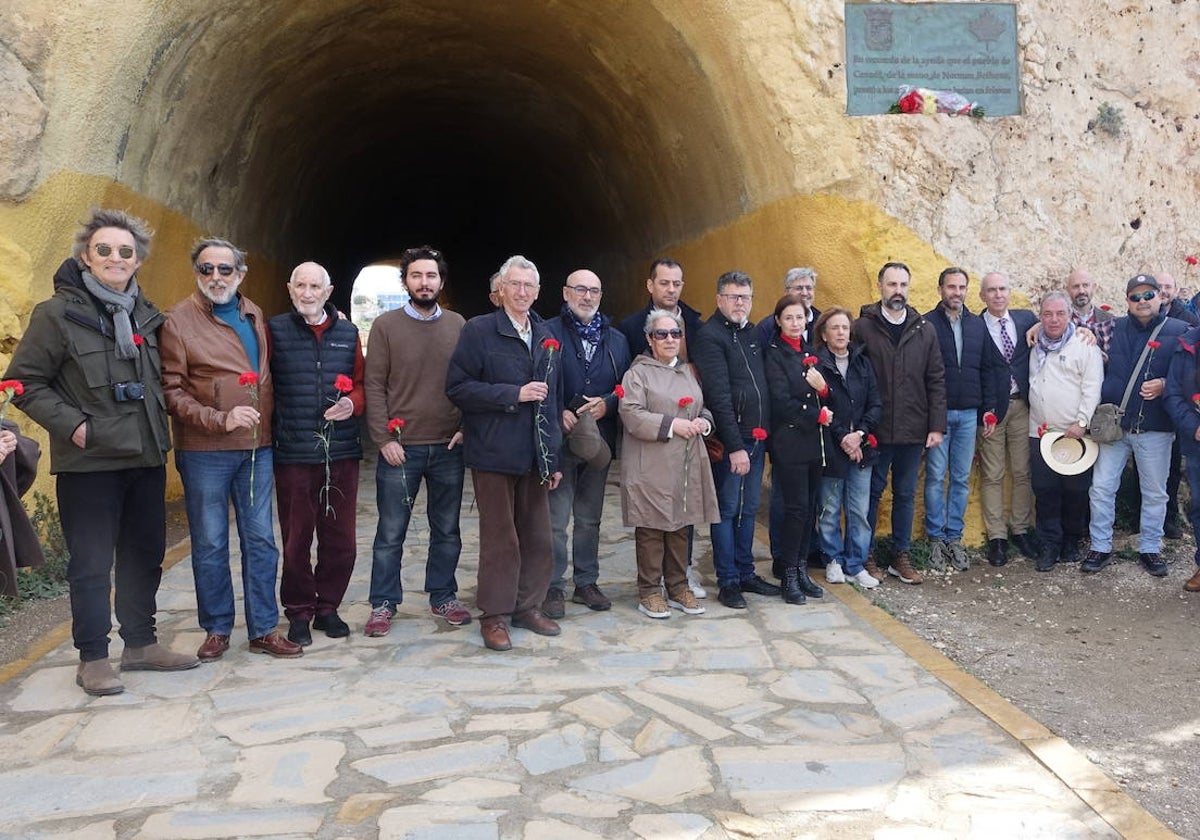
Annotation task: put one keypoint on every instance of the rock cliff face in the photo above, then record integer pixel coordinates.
(582, 135)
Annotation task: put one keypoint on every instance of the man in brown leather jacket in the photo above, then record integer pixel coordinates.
(217, 383)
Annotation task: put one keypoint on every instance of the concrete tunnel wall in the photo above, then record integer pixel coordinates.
(578, 133)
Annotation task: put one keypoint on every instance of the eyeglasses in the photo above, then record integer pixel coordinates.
(123, 251)
(206, 269)
(738, 298)
(524, 287)
(1149, 294)
(662, 335)
(585, 291)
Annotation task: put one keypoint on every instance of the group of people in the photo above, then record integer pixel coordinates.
(268, 410)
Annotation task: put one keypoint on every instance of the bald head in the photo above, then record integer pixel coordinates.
(309, 289)
(1080, 288)
(582, 294)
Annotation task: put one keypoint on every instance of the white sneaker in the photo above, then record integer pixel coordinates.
(834, 573)
(694, 583)
(865, 579)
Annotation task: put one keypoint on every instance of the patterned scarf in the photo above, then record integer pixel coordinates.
(1045, 346)
(589, 332)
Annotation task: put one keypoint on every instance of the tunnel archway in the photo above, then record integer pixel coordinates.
(571, 132)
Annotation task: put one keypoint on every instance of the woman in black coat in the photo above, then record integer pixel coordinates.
(800, 441)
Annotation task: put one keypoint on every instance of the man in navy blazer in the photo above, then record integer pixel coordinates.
(1006, 449)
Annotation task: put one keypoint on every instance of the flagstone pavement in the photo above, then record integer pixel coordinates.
(823, 720)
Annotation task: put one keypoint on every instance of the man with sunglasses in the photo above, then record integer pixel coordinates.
(220, 393)
(595, 355)
(1148, 431)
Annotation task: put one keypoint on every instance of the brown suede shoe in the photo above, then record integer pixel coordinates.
(495, 634)
(214, 647)
(155, 657)
(537, 622)
(1193, 583)
(98, 678)
(273, 644)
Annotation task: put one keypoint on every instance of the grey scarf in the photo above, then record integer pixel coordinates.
(119, 305)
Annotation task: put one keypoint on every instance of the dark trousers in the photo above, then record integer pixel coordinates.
(516, 556)
(121, 513)
(306, 590)
(661, 556)
(801, 485)
(1061, 501)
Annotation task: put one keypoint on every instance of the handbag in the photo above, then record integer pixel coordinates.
(1105, 426)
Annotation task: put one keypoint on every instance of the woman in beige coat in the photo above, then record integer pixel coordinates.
(666, 482)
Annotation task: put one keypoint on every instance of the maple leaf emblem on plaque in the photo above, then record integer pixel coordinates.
(986, 27)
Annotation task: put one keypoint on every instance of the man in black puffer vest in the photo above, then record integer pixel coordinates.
(317, 366)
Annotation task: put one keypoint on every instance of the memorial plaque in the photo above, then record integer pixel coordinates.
(968, 48)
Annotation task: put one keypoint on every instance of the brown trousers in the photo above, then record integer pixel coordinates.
(661, 556)
(1006, 451)
(516, 557)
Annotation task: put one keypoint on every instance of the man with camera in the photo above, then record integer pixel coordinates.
(218, 386)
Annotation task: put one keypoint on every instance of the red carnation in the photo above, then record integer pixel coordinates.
(1195, 398)
(551, 344)
(14, 386)
(138, 340)
(395, 425)
(684, 402)
(872, 441)
(809, 361)
(758, 433)
(619, 392)
(1153, 345)
(824, 416)
(1105, 307)
(248, 378)
(343, 384)
(1191, 259)
(989, 418)
(1042, 429)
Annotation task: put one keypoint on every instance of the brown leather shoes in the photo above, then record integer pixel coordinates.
(214, 647)
(273, 644)
(495, 634)
(1193, 583)
(536, 621)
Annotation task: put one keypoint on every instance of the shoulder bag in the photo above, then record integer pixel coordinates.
(1106, 422)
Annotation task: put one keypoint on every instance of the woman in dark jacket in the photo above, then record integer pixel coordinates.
(800, 444)
(846, 485)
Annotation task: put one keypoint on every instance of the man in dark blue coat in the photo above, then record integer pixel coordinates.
(503, 377)
(975, 374)
(1183, 384)
(665, 286)
(595, 355)
(1147, 429)
(1005, 450)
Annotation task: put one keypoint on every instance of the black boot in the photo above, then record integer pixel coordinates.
(809, 588)
(791, 585)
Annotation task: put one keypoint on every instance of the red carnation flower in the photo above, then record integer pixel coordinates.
(758, 433)
(1191, 259)
(343, 384)
(684, 402)
(138, 340)
(825, 416)
(1153, 345)
(248, 378)
(872, 441)
(1042, 429)
(619, 392)
(551, 344)
(1105, 307)
(989, 418)
(395, 425)
(809, 361)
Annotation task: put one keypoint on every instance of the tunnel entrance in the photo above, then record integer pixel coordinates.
(575, 133)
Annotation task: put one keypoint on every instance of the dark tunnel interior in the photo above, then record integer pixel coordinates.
(348, 132)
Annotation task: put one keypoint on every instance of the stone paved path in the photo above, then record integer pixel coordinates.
(776, 721)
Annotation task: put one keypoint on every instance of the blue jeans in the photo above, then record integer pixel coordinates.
(581, 492)
(737, 502)
(903, 461)
(442, 470)
(852, 496)
(210, 481)
(944, 513)
(1152, 454)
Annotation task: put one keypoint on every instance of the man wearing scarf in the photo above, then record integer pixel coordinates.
(595, 355)
(1065, 375)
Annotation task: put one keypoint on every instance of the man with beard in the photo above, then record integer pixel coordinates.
(595, 355)
(975, 377)
(317, 369)
(418, 432)
(904, 353)
(219, 390)
(1080, 288)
